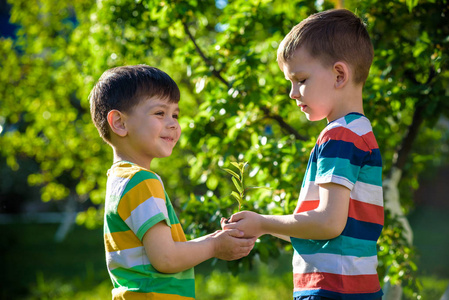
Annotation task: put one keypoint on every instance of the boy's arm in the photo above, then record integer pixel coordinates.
(168, 256)
(325, 222)
(279, 236)
(282, 237)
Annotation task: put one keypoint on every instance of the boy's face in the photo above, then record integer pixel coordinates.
(312, 85)
(152, 128)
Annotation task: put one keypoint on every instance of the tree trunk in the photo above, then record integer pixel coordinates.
(391, 190)
(393, 204)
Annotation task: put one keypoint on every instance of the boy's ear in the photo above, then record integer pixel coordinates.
(342, 73)
(116, 123)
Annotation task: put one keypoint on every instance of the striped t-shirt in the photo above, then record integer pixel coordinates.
(346, 153)
(135, 201)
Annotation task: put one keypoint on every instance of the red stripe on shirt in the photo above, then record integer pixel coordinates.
(348, 284)
(306, 206)
(366, 212)
(370, 139)
(365, 142)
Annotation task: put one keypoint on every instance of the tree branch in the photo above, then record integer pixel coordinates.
(418, 118)
(204, 57)
(283, 124)
(217, 74)
(407, 143)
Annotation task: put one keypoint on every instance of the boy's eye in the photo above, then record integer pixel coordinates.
(160, 113)
(175, 116)
(302, 81)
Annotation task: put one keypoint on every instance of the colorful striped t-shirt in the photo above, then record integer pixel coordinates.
(135, 201)
(346, 153)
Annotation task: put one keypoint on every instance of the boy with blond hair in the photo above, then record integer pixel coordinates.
(135, 109)
(339, 216)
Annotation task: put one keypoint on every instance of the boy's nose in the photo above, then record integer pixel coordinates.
(294, 92)
(173, 123)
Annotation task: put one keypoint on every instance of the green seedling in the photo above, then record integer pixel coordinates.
(237, 178)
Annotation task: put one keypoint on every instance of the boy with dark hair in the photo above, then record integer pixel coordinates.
(135, 109)
(339, 215)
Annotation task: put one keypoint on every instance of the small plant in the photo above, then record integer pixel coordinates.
(237, 179)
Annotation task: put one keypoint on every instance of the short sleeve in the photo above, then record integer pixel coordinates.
(143, 204)
(338, 158)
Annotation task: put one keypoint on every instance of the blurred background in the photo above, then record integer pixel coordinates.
(234, 108)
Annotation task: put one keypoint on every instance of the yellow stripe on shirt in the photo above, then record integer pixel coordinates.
(121, 240)
(139, 194)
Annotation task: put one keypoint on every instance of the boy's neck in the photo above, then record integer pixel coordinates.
(120, 156)
(350, 102)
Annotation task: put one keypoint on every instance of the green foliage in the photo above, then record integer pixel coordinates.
(399, 259)
(235, 104)
(237, 179)
(249, 285)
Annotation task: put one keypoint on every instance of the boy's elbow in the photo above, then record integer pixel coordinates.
(334, 232)
(164, 262)
(333, 229)
(164, 265)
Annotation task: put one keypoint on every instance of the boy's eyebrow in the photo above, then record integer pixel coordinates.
(162, 105)
(290, 76)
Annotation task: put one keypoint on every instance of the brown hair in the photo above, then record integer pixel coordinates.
(122, 88)
(331, 36)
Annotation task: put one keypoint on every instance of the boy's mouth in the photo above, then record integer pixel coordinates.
(168, 139)
(303, 107)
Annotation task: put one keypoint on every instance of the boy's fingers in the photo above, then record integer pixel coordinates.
(236, 217)
(229, 226)
(251, 241)
(223, 222)
(235, 233)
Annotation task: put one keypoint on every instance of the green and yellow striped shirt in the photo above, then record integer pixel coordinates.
(135, 201)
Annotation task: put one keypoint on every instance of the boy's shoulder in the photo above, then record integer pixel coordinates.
(352, 124)
(355, 122)
(353, 128)
(130, 174)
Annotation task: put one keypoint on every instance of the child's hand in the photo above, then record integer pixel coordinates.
(247, 221)
(223, 222)
(230, 244)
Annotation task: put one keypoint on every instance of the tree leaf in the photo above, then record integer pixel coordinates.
(232, 173)
(236, 164)
(238, 185)
(236, 196)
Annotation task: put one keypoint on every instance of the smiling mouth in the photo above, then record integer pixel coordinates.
(168, 139)
(303, 107)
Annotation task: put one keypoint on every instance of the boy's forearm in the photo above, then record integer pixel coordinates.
(309, 225)
(168, 256)
(282, 237)
(186, 255)
(327, 221)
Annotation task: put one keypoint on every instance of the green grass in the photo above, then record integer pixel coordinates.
(32, 258)
(37, 267)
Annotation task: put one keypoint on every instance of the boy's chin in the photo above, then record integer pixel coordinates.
(165, 154)
(314, 118)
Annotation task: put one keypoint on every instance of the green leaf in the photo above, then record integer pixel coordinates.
(237, 165)
(238, 185)
(232, 173)
(411, 4)
(236, 196)
(212, 182)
